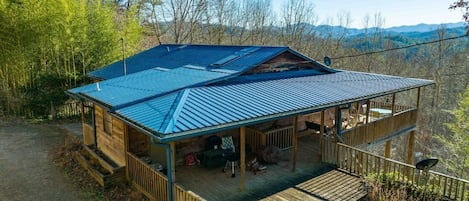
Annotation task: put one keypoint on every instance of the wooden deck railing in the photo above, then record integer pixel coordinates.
(281, 137)
(182, 195)
(362, 163)
(383, 105)
(154, 184)
(382, 128)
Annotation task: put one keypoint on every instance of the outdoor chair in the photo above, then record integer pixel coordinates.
(230, 155)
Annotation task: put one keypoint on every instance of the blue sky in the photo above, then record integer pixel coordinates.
(394, 12)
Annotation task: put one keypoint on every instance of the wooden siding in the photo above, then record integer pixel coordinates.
(88, 134)
(276, 63)
(362, 163)
(139, 143)
(380, 129)
(111, 144)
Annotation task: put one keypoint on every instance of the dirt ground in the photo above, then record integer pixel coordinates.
(26, 168)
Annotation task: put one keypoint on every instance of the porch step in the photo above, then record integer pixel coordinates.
(105, 173)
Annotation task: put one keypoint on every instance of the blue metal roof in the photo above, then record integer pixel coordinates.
(237, 58)
(206, 108)
(137, 87)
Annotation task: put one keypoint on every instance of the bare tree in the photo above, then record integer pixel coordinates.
(297, 22)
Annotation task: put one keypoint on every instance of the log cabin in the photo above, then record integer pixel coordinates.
(154, 119)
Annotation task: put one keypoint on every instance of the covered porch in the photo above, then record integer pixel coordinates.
(303, 157)
(213, 184)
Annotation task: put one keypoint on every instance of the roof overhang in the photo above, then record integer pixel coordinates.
(164, 138)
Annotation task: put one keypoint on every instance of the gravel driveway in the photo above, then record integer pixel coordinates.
(26, 168)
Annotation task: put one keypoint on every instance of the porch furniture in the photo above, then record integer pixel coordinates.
(213, 158)
(231, 160)
(316, 127)
(230, 154)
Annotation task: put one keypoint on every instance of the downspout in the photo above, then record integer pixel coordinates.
(169, 167)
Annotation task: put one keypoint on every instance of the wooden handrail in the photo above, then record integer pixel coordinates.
(363, 163)
(155, 184)
(277, 130)
(379, 129)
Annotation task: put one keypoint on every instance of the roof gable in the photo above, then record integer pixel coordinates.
(237, 58)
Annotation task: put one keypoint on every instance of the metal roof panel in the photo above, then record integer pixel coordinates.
(215, 106)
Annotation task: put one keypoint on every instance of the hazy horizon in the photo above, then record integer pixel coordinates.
(394, 13)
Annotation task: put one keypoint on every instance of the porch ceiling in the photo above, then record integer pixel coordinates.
(212, 108)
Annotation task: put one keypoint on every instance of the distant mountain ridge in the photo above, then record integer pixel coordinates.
(405, 30)
(424, 27)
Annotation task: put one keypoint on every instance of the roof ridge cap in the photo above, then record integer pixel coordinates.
(177, 110)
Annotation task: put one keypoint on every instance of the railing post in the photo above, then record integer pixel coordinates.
(387, 155)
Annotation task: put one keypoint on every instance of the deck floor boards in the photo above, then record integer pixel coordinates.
(312, 179)
(333, 185)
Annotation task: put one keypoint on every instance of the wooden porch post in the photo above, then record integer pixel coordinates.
(393, 104)
(338, 113)
(242, 139)
(357, 112)
(418, 97)
(126, 150)
(82, 113)
(410, 147)
(368, 105)
(294, 142)
(321, 133)
(338, 122)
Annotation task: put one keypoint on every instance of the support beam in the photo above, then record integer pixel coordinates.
(242, 139)
(294, 142)
(393, 104)
(126, 150)
(339, 123)
(357, 111)
(418, 97)
(93, 118)
(410, 147)
(321, 133)
(82, 112)
(368, 105)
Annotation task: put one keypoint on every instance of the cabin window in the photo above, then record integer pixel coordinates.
(107, 123)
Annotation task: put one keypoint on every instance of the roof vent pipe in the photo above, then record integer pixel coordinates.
(123, 56)
(97, 86)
